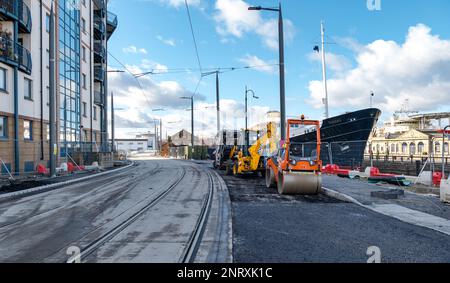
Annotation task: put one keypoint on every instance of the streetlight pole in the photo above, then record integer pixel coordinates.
(217, 96)
(53, 146)
(112, 113)
(443, 150)
(113, 124)
(281, 63)
(371, 99)
(192, 123)
(247, 133)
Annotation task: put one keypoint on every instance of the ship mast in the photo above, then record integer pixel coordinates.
(324, 70)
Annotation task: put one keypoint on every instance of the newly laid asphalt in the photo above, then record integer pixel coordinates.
(270, 228)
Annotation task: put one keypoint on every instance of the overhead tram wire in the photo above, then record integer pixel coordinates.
(191, 70)
(131, 73)
(193, 36)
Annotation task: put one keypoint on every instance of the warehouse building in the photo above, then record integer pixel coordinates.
(82, 30)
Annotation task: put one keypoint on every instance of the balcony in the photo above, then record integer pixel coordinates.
(98, 98)
(111, 24)
(16, 10)
(14, 54)
(99, 52)
(100, 4)
(99, 74)
(99, 29)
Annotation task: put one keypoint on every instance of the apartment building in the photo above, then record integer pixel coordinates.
(82, 31)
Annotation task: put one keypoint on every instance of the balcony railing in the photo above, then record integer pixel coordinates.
(98, 98)
(100, 4)
(99, 49)
(111, 23)
(99, 74)
(19, 11)
(12, 53)
(99, 28)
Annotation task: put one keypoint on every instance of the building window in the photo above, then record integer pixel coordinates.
(84, 81)
(47, 22)
(412, 149)
(3, 80)
(3, 127)
(84, 53)
(28, 89)
(404, 148)
(84, 109)
(421, 147)
(437, 148)
(48, 96)
(27, 130)
(95, 112)
(83, 25)
(393, 148)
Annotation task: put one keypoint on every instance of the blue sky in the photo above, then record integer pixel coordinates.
(156, 34)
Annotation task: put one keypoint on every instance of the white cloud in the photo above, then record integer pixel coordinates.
(418, 70)
(259, 64)
(170, 41)
(179, 3)
(148, 65)
(134, 50)
(234, 19)
(335, 62)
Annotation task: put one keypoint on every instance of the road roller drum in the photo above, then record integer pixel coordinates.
(299, 183)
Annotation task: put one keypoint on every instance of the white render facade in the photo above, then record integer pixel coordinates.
(82, 30)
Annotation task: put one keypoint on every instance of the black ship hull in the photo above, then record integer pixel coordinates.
(344, 137)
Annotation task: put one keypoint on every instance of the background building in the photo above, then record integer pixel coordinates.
(82, 31)
(132, 145)
(410, 137)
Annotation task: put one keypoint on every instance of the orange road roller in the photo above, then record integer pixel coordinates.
(297, 168)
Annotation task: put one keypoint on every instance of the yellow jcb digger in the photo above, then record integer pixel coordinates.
(251, 160)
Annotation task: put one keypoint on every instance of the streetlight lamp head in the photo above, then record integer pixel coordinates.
(256, 8)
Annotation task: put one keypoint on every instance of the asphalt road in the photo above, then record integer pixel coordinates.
(270, 229)
(42, 227)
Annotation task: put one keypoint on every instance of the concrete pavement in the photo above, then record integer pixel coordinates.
(40, 228)
(422, 210)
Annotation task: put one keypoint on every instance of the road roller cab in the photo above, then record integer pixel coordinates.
(297, 167)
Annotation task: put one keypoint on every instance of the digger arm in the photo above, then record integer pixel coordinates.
(254, 149)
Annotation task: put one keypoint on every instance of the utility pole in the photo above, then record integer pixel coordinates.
(443, 150)
(282, 80)
(281, 63)
(52, 111)
(324, 70)
(217, 95)
(371, 99)
(192, 127)
(160, 136)
(192, 123)
(113, 124)
(247, 133)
